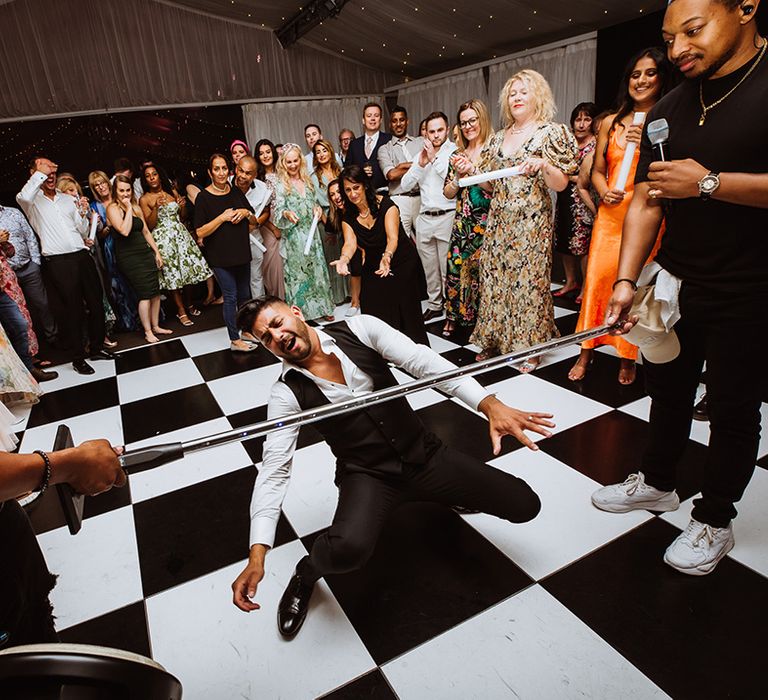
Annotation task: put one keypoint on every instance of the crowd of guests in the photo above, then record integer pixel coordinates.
(383, 222)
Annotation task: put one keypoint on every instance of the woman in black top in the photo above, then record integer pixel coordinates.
(223, 218)
(393, 281)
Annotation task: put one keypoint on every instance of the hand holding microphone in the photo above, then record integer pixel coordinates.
(671, 179)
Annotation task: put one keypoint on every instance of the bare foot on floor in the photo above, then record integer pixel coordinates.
(162, 331)
(627, 372)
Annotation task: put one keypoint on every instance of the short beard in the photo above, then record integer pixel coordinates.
(718, 64)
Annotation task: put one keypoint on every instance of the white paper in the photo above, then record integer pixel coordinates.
(257, 243)
(490, 175)
(311, 235)
(629, 154)
(257, 213)
(94, 225)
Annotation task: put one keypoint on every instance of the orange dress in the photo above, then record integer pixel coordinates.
(603, 261)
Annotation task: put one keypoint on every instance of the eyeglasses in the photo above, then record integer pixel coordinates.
(469, 123)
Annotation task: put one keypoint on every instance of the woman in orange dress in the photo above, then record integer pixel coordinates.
(642, 86)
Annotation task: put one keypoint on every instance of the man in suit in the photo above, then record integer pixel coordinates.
(384, 455)
(364, 150)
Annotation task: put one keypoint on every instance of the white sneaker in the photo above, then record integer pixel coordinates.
(697, 551)
(634, 494)
(352, 311)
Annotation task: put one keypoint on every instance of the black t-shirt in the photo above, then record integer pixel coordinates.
(228, 245)
(719, 247)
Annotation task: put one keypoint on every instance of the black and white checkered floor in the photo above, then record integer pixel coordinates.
(576, 604)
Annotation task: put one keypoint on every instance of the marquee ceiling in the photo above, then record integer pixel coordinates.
(417, 38)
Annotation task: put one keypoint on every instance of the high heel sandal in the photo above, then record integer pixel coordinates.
(184, 320)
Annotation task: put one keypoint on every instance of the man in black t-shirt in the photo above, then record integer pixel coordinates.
(713, 192)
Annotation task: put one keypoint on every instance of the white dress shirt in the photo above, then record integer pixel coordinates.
(394, 152)
(431, 179)
(275, 471)
(57, 222)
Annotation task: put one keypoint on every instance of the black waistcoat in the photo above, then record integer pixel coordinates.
(379, 438)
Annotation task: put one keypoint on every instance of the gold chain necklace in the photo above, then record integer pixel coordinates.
(707, 108)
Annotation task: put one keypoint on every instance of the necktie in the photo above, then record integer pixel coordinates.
(368, 146)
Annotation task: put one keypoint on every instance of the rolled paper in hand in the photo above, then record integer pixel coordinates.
(490, 175)
(258, 243)
(311, 234)
(94, 226)
(629, 154)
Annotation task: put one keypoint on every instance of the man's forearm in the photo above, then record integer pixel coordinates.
(639, 233)
(746, 189)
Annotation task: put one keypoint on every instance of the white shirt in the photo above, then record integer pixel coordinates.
(57, 222)
(258, 195)
(394, 152)
(275, 471)
(431, 180)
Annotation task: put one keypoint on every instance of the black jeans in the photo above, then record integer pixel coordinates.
(449, 477)
(75, 281)
(730, 335)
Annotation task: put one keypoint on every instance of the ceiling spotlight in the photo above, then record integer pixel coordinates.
(309, 16)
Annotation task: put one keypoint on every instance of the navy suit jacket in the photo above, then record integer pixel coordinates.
(356, 156)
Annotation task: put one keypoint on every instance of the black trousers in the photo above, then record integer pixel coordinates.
(75, 281)
(449, 477)
(26, 616)
(730, 336)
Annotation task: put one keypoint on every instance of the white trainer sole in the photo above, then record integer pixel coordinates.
(706, 569)
(665, 504)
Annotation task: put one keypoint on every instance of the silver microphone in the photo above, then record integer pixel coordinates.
(658, 135)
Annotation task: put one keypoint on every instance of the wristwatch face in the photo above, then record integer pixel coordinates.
(708, 184)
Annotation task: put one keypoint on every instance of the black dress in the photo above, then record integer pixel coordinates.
(136, 260)
(394, 299)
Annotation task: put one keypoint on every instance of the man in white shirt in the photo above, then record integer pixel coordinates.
(61, 222)
(257, 193)
(437, 212)
(395, 159)
(384, 456)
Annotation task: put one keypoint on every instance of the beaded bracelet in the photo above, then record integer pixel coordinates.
(47, 473)
(624, 279)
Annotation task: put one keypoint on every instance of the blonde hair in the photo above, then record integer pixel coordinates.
(335, 169)
(282, 171)
(64, 180)
(538, 88)
(94, 178)
(483, 117)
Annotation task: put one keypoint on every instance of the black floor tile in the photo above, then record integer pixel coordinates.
(601, 383)
(157, 415)
(196, 530)
(462, 430)
(567, 324)
(763, 462)
(460, 356)
(430, 571)
(125, 628)
(371, 686)
(224, 363)
(150, 356)
(46, 513)
(568, 302)
(460, 335)
(74, 401)
(694, 636)
(610, 447)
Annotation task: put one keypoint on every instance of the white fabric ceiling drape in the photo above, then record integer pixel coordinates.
(283, 122)
(570, 71)
(60, 57)
(443, 94)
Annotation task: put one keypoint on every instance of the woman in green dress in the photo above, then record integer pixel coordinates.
(183, 263)
(137, 255)
(307, 283)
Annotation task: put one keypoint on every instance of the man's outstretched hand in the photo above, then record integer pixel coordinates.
(245, 585)
(504, 420)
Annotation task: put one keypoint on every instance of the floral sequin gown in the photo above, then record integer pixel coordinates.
(183, 263)
(307, 284)
(516, 308)
(462, 277)
(573, 220)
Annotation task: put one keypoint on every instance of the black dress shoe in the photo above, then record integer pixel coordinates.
(103, 355)
(293, 606)
(431, 314)
(700, 409)
(41, 375)
(82, 367)
(461, 510)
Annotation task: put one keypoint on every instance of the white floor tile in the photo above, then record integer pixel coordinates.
(193, 469)
(750, 528)
(206, 341)
(102, 369)
(560, 312)
(222, 652)
(529, 646)
(440, 344)
(568, 526)
(240, 392)
(312, 496)
(153, 381)
(419, 399)
(106, 424)
(20, 413)
(98, 568)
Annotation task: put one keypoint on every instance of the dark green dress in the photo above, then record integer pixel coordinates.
(136, 260)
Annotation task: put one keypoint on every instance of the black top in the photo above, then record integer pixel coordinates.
(356, 156)
(721, 248)
(228, 245)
